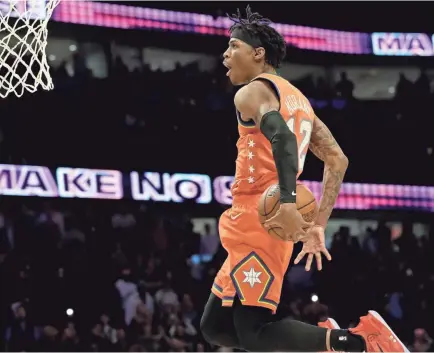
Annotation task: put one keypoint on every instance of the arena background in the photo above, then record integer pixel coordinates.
(112, 184)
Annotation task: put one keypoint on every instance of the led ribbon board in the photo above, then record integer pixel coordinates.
(402, 44)
(65, 182)
(134, 17)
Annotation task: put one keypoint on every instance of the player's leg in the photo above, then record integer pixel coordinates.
(257, 331)
(217, 324)
(257, 268)
(257, 276)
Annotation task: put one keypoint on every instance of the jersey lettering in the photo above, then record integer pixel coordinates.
(305, 131)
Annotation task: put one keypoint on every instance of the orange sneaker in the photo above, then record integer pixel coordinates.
(377, 334)
(329, 323)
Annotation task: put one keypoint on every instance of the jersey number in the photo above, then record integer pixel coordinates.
(305, 133)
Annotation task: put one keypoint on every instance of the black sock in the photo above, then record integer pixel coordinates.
(345, 341)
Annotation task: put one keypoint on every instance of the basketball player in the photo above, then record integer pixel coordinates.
(276, 124)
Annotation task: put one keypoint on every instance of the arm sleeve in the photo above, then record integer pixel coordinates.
(285, 153)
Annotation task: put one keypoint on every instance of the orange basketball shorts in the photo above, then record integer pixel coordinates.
(256, 264)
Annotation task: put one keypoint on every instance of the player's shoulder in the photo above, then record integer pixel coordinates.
(255, 92)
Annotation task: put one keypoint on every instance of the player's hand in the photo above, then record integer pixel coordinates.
(290, 221)
(313, 244)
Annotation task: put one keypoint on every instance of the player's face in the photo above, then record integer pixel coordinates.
(239, 58)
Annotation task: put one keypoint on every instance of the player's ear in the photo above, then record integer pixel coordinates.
(259, 54)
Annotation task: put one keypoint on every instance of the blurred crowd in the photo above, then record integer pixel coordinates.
(184, 120)
(80, 275)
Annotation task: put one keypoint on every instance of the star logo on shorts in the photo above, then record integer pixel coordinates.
(252, 277)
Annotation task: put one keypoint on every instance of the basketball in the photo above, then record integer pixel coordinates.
(270, 201)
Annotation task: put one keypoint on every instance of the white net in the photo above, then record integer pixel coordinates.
(23, 40)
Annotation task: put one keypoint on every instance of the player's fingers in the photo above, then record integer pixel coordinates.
(309, 262)
(326, 254)
(299, 257)
(318, 261)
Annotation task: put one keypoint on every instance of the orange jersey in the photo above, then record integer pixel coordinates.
(255, 167)
(256, 264)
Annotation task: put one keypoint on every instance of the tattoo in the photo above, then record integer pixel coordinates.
(322, 143)
(325, 147)
(332, 181)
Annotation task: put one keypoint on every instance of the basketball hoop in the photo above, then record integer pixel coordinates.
(23, 40)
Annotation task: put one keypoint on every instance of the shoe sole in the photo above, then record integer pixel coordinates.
(379, 318)
(334, 324)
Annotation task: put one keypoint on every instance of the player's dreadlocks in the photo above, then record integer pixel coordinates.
(258, 26)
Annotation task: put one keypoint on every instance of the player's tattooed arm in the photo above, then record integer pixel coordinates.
(325, 147)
